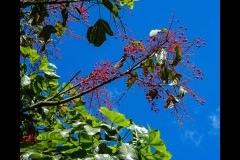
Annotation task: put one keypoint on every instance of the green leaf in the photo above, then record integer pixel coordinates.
(51, 74)
(162, 155)
(115, 117)
(149, 63)
(132, 79)
(127, 151)
(153, 93)
(129, 3)
(60, 29)
(31, 52)
(111, 7)
(178, 56)
(156, 142)
(164, 30)
(81, 110)
(91, 131)
(41, 146)
(64, 13)
(104, 149)
(164, 74)
(23, 69)
(50, 136)
(103, 157)
(38, 13)
(44, 64)
(96, 33)
(46, 32)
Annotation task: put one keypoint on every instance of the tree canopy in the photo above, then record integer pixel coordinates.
(76, 119)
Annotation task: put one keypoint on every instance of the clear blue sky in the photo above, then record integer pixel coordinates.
(196, 140)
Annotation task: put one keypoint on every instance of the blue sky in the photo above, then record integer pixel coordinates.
(196, 140)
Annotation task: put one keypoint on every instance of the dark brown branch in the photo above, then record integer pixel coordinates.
(24, 4)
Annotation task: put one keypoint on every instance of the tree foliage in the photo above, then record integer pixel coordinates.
(56, 119)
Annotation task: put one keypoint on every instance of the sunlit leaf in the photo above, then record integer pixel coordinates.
(115, 117)
(28, 51)
(127, 151)
(25, 81)
(91, 131)
(129, 3)
(51, 74)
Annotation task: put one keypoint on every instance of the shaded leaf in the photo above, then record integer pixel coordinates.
(149, 63)
(178, 56)
(64, 13)
(96, 33)
(46, 32)
(132, 79)
(153, 93)
(111, 7)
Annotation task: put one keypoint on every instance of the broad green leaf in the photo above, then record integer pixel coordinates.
(60, 29)
(146, 153)
(76, 153)
(129, 3)
(103, 157)
(127, 151)
(104, 149)
(115, 117)
(81, 110)
(50, 136)
(51, 74)
(139, 134)
(54, 82)
(111, 7)
(96, 33)
(91, 131)
(153, 93)
(65, 133)
(162, 155)
(149, 63)
(155, 141)
(33, 154)
(41, 146)
(44, 64)
(178, 56)
(25, 81)
(31, 52)
(46, 32)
